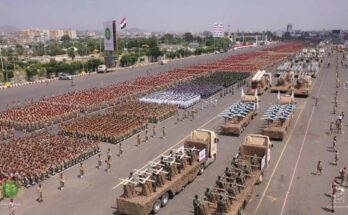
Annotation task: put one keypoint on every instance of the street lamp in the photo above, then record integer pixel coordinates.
(2, 63)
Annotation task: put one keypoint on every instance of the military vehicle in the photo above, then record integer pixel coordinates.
(233, 190)
(260, 82)
(239, 115)
(150, 188)
(278, 118)
(303, 85)
(284, 82)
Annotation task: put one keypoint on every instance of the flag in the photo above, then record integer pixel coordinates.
(123, 23)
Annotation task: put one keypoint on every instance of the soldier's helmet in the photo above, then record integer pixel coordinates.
(196, 196)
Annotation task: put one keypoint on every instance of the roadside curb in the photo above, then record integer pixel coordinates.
(41, 81)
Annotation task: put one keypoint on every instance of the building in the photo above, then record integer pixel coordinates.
(289, 28)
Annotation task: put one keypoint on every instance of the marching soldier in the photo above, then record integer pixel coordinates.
(100, 162)
(154, 131)
(62, 181)
(331, 127)
(11, 207)
(120, 150)
(163, 132)
(146, 136)
(108, 165)
(220, 206)
(343, 175)
(108, 154)
(138, 140)
(319, 168)
(334, 143)
(82, 170)
(196, 205)
(39, 193)
(336, 158)
(333, 195)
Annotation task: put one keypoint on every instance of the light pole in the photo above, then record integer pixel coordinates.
(2, 63)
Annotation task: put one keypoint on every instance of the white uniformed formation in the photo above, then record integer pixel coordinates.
(182, 100)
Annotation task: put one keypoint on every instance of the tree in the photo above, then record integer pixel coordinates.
(19, 49)
(188, 37)
(31, 71)
(65, 39)
(92, 64)
(71, 53)
(154, 53)
(207, 34)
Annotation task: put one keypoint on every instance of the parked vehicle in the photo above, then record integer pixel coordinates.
(102, 69)
(64, 76)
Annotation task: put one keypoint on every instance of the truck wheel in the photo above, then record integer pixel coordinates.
(201, 169)
(164, 199)
(156, 206)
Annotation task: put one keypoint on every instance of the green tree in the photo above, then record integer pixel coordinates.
(188, 37)
(92, 64)
(19, 49)
(65, 39)
(154, 53)
(71, 53)
(31, 71)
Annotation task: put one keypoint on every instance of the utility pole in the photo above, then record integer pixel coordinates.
(2, 63)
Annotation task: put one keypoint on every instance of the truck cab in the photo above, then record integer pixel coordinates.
(205, 144)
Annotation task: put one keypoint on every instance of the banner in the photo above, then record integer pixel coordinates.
(201, 155)
(218, 30)
(108, 36)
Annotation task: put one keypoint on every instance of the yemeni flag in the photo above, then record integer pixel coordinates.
(123, 23)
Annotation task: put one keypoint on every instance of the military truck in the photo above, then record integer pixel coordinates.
(260, 82)
(239, 115)
(233, 190)
(278, 119)
(284, 82)
(150, 188)
(303, 85)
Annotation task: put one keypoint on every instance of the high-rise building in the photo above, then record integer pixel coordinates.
(289, 28)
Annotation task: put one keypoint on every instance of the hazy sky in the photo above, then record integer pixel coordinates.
(177, 15)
